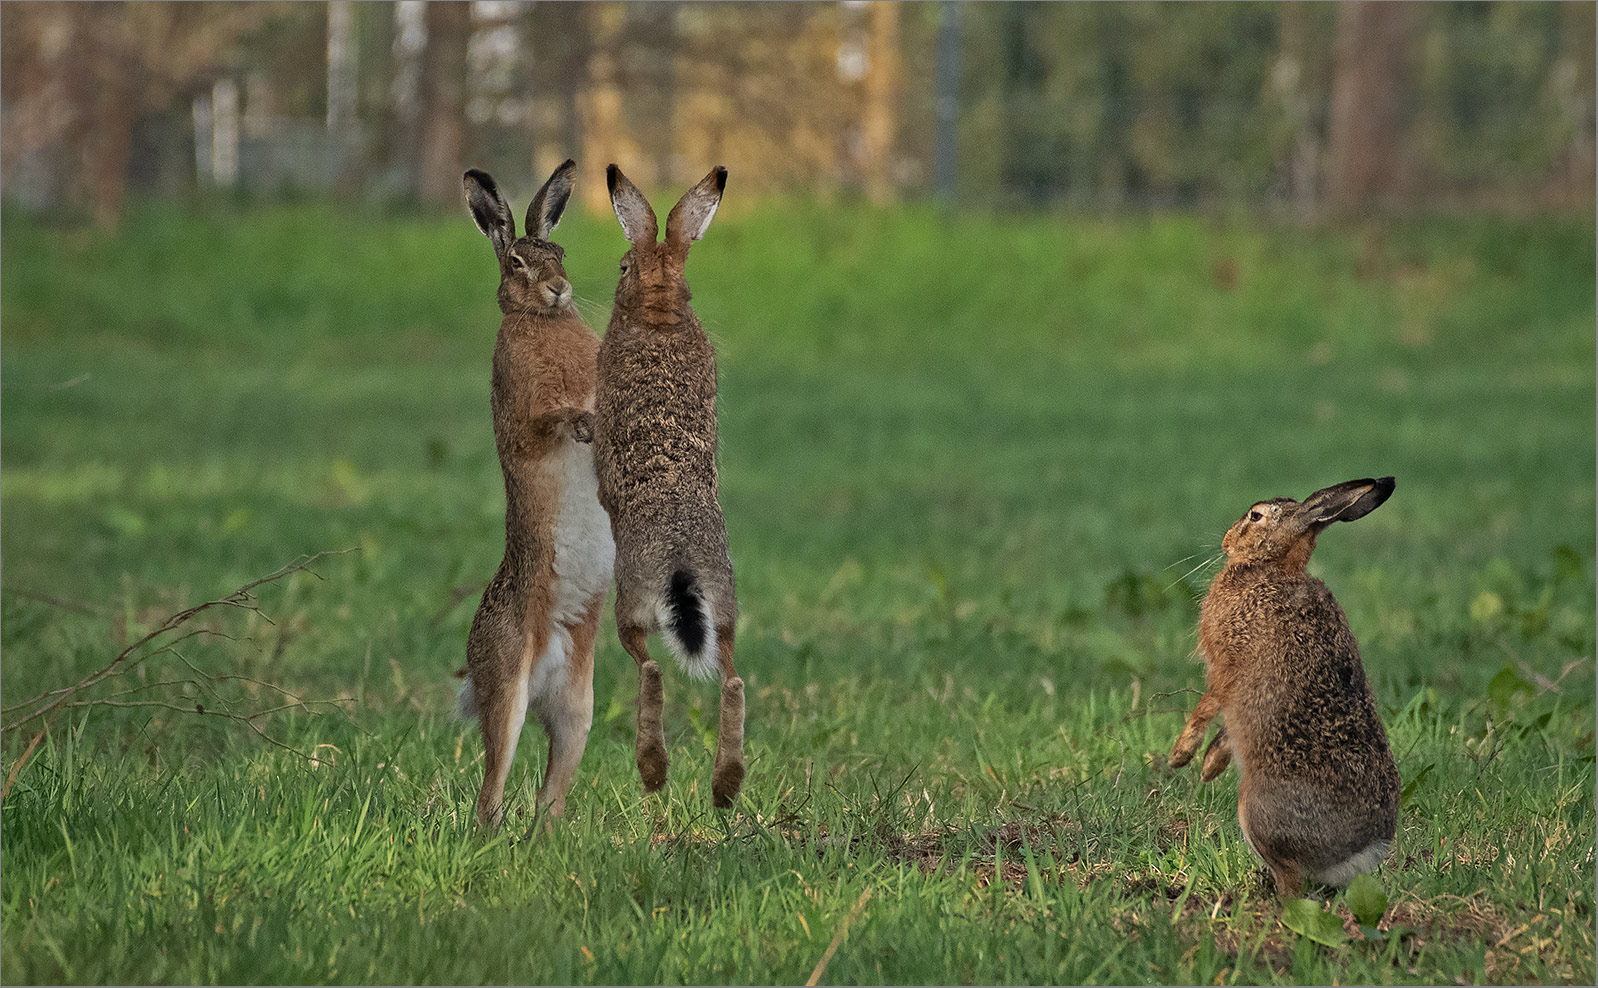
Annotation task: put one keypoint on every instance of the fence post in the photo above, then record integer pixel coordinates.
(225, 132)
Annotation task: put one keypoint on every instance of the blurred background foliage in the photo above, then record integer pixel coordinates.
(1303, 108)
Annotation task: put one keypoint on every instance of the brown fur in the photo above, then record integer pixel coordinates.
(1319, 784)
(542, 397)
(655, 453)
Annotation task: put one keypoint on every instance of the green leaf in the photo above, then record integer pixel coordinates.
(1309, 919)
(1503, 687)
(1366, 899)
(1568, 564)
(1486, 606)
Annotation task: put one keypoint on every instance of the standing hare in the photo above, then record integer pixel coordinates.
(655, 452)
(532, 640)
(1318, 797)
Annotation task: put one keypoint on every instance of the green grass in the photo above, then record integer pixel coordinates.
(965, 467)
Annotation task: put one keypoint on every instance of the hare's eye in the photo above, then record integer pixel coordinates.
(517, 262)
(1255, 515)
(623, 267)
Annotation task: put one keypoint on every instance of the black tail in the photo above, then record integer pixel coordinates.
(687, 616)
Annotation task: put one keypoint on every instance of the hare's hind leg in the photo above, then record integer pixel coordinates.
(729, 773)
(500, 686)
(1272, 826)
(650, 752)
(568, 713)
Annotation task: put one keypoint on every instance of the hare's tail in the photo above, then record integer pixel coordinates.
(688, 626)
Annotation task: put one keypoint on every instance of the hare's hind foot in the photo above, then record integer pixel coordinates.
(567, 723)
(1289, 880)
(650, 752)
(729, 774)
(500, 713)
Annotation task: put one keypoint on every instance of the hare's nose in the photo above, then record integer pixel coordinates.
(560, 286)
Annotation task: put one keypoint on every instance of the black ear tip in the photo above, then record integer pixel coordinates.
(568, 163)
(721, 179)
(612, 175)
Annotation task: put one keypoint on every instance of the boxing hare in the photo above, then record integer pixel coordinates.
(531, 644)
(1318, 797)
(655, 452)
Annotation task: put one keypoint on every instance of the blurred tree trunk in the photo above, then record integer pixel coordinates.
(90, 71)
(1111, 181)
(442, 93)
(1293, 80)
(341, 66)
(880, 119)
(558, 67)
(1572, 87)
(947, 76)
(600, 105)
(41, 105)
(660, 28)
(81, 90)
(1367, 160)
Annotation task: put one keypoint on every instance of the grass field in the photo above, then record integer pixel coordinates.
(967, 470)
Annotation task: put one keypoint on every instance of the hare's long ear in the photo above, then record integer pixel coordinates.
(544, 213)
(691, 217)
(489, 210)
(1347, 501)
(637, 217)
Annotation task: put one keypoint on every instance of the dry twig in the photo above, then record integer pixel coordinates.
(46, 705)
(837, 938)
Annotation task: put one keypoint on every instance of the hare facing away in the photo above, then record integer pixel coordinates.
(531, 643)
(655, 452)
(1318, 797)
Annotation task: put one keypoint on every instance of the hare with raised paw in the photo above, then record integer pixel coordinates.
(531, 644)
(655, 450)
(1318, 796)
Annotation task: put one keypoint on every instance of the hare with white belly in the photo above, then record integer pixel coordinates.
(1318, 797)
(531, 644)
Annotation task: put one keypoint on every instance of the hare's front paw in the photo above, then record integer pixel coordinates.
(1216, 757)
(582, 424)
(1185, 748)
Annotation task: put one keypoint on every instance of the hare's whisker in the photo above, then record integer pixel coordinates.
(1179, 562)
(1195, 569)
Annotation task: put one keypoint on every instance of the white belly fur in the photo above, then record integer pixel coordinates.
(585, 558)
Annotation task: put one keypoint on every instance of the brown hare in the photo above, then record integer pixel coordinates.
(1318, 797)
(655, 452)
(531, 644)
